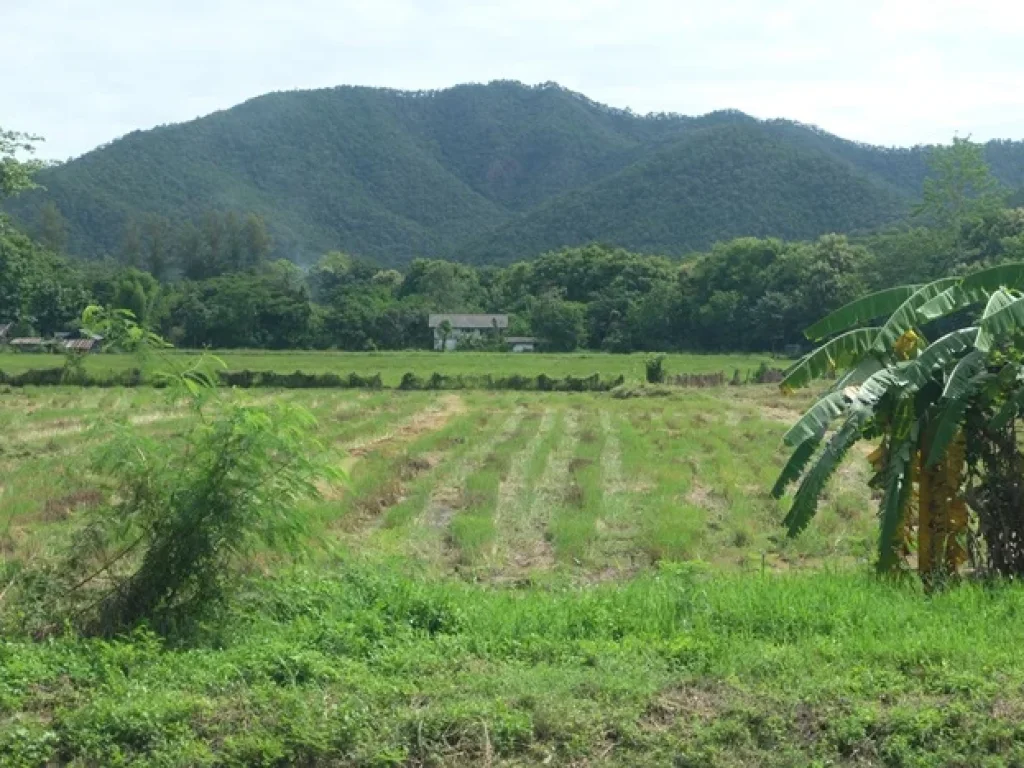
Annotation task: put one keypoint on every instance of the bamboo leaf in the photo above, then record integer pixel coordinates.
(817, 419)
(860, 311)
(840, 352)
(905, 316)
(1003, 315)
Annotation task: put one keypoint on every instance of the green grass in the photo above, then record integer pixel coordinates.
(393, 365)
(515, 579)
(361, 665)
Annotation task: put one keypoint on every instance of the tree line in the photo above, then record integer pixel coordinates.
(211, 282)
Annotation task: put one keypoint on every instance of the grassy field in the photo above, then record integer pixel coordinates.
(513, 579)
(393, 365)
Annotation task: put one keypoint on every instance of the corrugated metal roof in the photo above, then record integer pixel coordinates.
(469, 321)
(82, 345)
(28, 341)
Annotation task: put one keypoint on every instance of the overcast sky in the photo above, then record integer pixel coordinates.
(83, 72)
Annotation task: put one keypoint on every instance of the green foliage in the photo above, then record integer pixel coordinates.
(674, 667)
(838, 353)
(191, 517)
(559, 323)
(38, 290)
(960, 186)
(166, 550)
(655, 369)
(15, 172)
(870, 307)
(488, 173)
(922, 398)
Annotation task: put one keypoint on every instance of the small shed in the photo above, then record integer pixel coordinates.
(521, 343)
(84, 346)
(29, 344)
(450, 329)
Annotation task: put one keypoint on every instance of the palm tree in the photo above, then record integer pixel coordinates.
(944, 415)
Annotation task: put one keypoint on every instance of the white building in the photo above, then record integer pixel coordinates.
(450, 329)
(521, 343)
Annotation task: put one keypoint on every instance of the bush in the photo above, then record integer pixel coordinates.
(655, 368)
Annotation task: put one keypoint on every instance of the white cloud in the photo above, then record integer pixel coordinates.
(83, 72)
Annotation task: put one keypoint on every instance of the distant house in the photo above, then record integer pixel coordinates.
(449, 330)
(521, 343)
(82, 345)
(30, 344)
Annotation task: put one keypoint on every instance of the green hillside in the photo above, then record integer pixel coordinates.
(484, 172)
(714, 184)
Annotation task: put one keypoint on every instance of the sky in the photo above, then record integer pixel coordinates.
(895, 72)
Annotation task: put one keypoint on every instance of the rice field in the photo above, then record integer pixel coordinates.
(515, 579)
(393, 365)
(489, 486)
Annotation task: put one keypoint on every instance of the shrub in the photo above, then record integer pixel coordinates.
(655, 369)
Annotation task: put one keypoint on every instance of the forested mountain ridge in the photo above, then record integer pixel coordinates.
(484, 173)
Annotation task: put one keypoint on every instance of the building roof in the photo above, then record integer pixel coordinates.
(469, 321)
(29, 341)
(521, 340)
(81, 345)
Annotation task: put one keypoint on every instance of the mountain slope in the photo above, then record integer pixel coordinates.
(715, 184)
(484, 172)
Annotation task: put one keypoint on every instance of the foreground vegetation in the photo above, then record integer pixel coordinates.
(354, 664)
(510, 579)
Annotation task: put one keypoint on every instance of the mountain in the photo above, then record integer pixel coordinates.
(485, 173)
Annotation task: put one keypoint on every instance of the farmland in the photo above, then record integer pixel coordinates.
(514, 579)
(393, 365)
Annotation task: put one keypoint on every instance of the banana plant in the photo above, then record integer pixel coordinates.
(921, 401)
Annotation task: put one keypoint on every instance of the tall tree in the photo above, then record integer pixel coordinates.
(960, 188)
(130, 252)
(52, 232)
(16, 173)
(256, 244)
(156, 236)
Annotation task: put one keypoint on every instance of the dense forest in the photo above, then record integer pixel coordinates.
(482, 174)
(215, 283)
